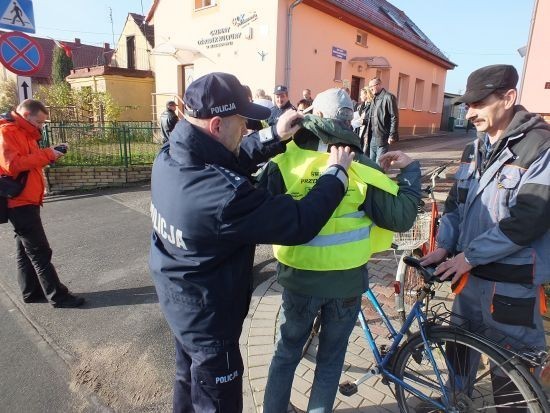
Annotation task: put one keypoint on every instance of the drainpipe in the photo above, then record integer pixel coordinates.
(526, 58)
(289, 41)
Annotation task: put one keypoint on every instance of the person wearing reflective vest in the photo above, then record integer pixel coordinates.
(496, 224)
(328, 273)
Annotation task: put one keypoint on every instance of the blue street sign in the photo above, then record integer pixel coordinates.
(17, 15)
(339, 53)
(20, 53)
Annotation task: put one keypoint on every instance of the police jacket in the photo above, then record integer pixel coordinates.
(384, 118)
(392, 212)
(498, 211)
(276, 112)
(168, 120)
(208, 217)
(19, 152)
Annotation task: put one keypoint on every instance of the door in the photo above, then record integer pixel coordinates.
(356, 84)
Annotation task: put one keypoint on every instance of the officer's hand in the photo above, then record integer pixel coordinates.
(288, 124)
(341, 156)
(394, 159)
(391, 140)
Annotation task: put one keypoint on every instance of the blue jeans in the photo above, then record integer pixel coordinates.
(375, 151)
(338, 317)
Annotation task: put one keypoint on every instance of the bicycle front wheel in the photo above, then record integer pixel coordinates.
(448, 372)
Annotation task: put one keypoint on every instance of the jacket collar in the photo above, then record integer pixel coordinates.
(31, 131)
(189, 145)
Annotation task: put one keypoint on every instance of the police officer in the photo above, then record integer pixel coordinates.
(208, 217)
(282, 104)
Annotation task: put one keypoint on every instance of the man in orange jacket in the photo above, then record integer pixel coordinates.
(20, 132)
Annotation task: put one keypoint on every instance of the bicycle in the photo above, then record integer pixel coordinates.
(432, 369)
(418, 241)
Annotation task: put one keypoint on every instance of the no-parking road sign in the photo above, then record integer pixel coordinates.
(20, 53)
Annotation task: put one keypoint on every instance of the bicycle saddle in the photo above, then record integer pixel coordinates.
(427, 272)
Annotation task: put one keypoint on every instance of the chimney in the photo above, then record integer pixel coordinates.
(106, 46)
(77, 41)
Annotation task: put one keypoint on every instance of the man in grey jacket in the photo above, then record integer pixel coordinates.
(496, 221)
(383, 123)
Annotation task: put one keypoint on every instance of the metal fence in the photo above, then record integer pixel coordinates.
(110, 144)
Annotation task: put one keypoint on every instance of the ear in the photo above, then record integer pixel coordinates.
(214, 126)
(510, 98)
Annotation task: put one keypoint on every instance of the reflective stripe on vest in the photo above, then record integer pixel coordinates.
(349, 238)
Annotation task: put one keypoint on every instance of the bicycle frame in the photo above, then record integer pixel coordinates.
(382, 362)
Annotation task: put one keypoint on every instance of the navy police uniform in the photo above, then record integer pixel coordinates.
(207, 218)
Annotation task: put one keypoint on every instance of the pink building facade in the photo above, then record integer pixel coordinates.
(535, 89)
(315, 44)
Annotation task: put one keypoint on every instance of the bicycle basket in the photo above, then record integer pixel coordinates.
(416, 236)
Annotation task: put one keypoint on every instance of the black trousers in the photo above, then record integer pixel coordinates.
(36, 274)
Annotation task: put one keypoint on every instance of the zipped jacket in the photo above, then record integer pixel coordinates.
(383, 119)
(19, 152)
(498, 211)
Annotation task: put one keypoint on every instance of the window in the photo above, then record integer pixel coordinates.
(434, 98)
(130, 52)
(200, 4)
(418, 94)
(338, 71)
(402, 91)
(392, 15)
(416, 30)
(361, 38)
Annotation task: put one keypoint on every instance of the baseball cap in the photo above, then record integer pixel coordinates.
(484, 81)
(333, 103)
(220, 94)
(280, 89)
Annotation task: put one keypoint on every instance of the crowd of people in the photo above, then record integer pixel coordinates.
(324, 160)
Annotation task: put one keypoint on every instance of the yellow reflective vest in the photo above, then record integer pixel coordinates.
(349, 238)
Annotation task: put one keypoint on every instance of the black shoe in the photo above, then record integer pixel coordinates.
(69, 301)
(35, 299)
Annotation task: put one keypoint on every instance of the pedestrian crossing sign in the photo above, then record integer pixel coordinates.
(17, 15)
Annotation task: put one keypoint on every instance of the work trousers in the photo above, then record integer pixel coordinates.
(36, 274)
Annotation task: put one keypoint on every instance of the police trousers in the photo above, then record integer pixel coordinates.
(208, 380)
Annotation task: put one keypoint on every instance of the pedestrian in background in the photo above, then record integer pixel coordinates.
(168, 120)
(208, 217)
(496, 225)
(282, 104)
(328, 274)
(20, 131)
(382, 127)
(363, 111)
(306, 95)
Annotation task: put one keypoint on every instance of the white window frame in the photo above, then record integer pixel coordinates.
(205, 4)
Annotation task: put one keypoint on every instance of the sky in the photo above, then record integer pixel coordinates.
(471, 33)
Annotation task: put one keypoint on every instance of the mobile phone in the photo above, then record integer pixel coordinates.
(61, 148)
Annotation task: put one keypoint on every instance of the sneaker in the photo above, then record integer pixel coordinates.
(69, 301)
